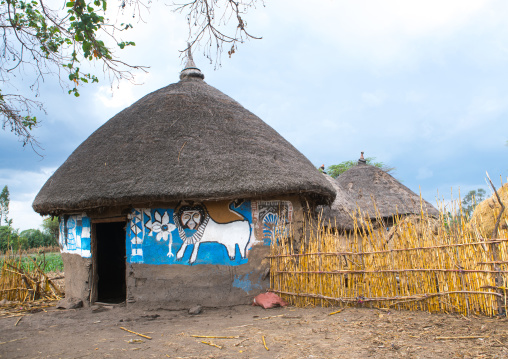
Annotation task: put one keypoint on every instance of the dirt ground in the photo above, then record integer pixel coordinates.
(288, 333)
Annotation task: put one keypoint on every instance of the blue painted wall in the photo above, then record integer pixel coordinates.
(190, 236)
(218, 233)
(75, 235)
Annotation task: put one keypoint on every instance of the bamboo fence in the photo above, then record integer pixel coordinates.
(422, 263)
(22, 283)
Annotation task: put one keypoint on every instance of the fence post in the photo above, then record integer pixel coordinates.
(495, 255)
(498, 279)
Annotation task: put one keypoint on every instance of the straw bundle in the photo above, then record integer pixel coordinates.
(421, 264)
(22, 283)
(485, 214)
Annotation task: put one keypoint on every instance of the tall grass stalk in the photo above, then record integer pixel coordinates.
(422, 263)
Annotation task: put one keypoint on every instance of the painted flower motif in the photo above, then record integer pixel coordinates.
(270, 222)
(273, 226)
(161, 226)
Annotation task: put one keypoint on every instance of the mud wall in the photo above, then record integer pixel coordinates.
(181, 286)
(77, 276)
(177, 256)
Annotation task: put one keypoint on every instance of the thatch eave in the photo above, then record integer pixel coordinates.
(56, 209)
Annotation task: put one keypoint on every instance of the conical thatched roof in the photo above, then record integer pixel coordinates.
(364, 185)
(185, 141)
(338, 214)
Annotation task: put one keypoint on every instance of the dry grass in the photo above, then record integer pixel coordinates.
(21, 283)
(422, 263)
(38, 250)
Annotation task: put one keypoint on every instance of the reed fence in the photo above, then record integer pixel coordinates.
(422, 263)
(20, 282)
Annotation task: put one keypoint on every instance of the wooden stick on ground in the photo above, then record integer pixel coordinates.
(19, 320)
(264, 343)
(13, 340)
(211, 344)
(466, 337)
(273, 316)
(141, 335)
(240, 342)
(215, 337)
(336, 312)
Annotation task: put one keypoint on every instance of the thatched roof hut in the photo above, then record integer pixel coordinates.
(339, 213)
(174, 201)
(375, 192)
(185, 141)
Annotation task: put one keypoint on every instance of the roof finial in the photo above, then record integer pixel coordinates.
(362, 160)
(190, 69)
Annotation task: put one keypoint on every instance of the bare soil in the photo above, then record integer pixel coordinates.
(289, 333)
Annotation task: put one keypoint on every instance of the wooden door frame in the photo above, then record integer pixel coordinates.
(94, 274)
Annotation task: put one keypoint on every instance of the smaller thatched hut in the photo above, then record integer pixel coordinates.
(373, 192)
(340, 213)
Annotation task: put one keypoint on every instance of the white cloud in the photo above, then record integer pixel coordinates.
(24, 217)
(488, 105)
(373, 98)
(415, 97)
(119, 97)
(23, 187)
(387, 33)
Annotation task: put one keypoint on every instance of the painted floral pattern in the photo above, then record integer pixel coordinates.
(162, 227)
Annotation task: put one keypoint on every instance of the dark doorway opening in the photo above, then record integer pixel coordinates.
(110, 237)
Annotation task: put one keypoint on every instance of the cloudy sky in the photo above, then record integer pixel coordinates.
(420, 85)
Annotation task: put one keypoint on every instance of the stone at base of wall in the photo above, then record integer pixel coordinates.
(69, 303)
(196, 310)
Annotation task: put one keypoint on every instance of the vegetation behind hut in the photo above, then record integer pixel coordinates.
(12, 239)
(336, 170)
(471, 200)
